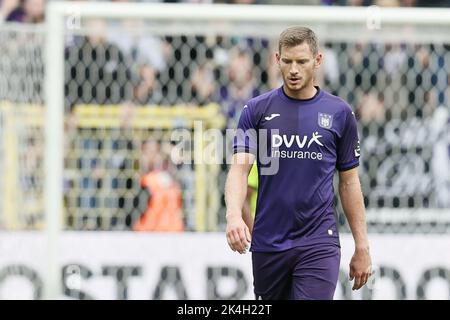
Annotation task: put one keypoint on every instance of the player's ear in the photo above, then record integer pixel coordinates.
(277, 57)
(318, 60)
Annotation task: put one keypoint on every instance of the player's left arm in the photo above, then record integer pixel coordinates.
(353, 205)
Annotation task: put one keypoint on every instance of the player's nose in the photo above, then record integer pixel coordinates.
(294, 73)
(293, 70)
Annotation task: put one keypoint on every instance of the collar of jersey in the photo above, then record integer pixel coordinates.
(314, 99)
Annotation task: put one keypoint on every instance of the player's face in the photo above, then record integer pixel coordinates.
(297, 65)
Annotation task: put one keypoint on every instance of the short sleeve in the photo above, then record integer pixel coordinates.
(245, 139)
(348, 144)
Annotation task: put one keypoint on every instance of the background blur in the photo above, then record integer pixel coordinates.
(131, 84)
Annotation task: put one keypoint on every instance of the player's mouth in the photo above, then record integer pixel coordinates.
(294, 81)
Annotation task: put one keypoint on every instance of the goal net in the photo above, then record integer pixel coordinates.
(392, 71)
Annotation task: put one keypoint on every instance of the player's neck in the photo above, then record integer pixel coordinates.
(304, 94)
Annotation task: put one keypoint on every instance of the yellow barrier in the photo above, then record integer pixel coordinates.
(22, 123)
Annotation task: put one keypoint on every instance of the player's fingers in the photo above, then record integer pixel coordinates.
(357, 283)
(230, 242)
(362, 281)
(365, 279)
(351, 274)
(247, 239)
(248, 235)
(369, 273)
(365, 276)
(243, 238)
(237, 241)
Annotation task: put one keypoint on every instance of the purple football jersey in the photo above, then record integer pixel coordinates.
(298, 146)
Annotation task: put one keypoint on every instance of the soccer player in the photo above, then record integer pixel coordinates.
(300, 135)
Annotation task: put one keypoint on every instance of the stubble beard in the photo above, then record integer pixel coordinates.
(298, 87)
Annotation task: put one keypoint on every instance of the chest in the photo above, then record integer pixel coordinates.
(299, 128)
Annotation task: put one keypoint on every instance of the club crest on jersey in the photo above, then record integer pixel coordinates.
(325, 120)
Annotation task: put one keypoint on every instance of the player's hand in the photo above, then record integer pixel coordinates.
(360, 268)
(238, 235)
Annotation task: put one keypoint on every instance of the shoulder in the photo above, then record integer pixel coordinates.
(337, 102)
(340, 107)
(262, 98)
(258, 104)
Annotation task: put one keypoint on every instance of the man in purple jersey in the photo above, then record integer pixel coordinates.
(300, 135)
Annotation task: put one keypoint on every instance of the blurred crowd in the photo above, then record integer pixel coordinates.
(400, 93)
(32, 11)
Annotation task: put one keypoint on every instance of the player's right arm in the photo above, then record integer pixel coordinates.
(244, 151)
(238, 233)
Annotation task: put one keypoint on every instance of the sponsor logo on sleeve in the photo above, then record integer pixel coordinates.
(357, 149)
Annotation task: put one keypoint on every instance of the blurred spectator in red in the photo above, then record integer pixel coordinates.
(160, 191)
